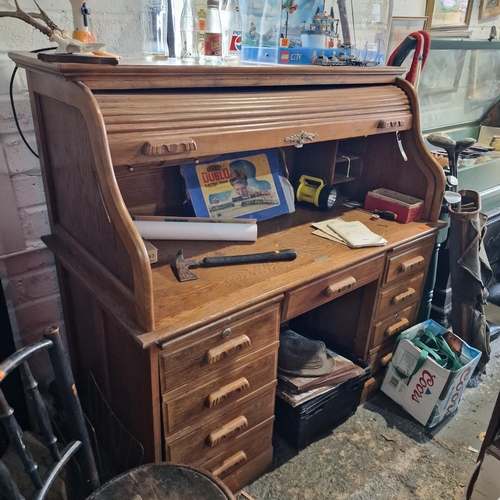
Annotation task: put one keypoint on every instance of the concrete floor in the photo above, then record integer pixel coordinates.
(382, 453)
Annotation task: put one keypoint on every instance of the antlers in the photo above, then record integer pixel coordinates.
(31, 18)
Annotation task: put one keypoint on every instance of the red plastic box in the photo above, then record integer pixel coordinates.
(406, 207)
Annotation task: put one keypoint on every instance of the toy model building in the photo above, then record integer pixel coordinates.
(302, 32)
(321, 32)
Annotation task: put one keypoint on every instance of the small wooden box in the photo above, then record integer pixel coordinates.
(406, 207)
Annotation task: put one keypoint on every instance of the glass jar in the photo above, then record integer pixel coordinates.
(231, 31)
(189, 32)
(154, 22)
(213, 33)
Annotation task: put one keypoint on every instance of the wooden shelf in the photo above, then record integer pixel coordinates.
(340, 178)
(343, 159)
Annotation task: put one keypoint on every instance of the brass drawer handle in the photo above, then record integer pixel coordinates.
(237, 425)
(405, 296)
(341, 286)
(219, 396)
(301, 137)
(385, 360)
(397, 327)
(230, 347)
(411, 264)
(181, 145)
(230, 464)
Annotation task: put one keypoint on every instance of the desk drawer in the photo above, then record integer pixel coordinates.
(316, 293)
(216, 436)
(380, 356)
(250, 471)
(244, 449)
(220, 345)
(394, 324)
(409, 261)
(398, 296)
(212, 399)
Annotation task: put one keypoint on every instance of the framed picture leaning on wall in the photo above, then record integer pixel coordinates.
(448, 14)
(489, 8)
(401, 27)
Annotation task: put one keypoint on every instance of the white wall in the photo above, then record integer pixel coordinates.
(26, 266)
(409, 8)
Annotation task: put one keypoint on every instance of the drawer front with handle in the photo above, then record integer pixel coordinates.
(380, 356)
(396, 297)
(245, 448)
(319, 292)
(221, 346)
(215, 436)
(409, 261)
(253, 469)
(214, 398)
(394, 324)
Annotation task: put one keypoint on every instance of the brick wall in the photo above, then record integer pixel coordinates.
(26, 266)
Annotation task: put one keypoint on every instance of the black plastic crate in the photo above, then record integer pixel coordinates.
(302, 425)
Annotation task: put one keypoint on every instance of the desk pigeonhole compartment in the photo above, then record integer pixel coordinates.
(301, 425)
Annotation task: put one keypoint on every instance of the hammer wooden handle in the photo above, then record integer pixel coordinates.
(250, 258)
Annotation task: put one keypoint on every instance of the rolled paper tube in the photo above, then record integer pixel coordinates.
(196, 231)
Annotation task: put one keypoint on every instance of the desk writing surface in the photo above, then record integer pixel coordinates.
(219, 291)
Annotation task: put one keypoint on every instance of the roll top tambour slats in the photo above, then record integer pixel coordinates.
(176, 126)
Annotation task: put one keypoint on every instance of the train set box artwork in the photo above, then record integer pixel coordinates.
(242, 185)
(315, 32)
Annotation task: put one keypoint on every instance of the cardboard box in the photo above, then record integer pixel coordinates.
(433, 392)
(406, 207)
(486, 135)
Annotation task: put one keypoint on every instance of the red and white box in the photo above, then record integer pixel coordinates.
(433, 392)
(406, 207)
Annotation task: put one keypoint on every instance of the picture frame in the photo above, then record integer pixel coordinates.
(246, 184)
(448, 14)
(489, 8)
(401, 27)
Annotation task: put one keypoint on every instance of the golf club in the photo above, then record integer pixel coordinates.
(449, 145)
(461, 145)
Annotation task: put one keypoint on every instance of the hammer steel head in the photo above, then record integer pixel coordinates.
(182, 267)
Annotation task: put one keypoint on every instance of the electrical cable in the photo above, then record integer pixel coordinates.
(11, 96)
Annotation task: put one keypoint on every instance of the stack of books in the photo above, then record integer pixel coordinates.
(296, 390)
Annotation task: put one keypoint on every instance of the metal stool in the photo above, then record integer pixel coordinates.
(163, 481)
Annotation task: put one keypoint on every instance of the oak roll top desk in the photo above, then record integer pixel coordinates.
(190, 368)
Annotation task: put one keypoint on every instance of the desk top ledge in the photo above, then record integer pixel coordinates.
(141, 73)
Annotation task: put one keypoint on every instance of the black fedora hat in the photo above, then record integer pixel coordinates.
(303, 357)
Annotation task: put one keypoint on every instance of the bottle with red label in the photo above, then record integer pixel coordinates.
(213, 33)
(231, 31)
